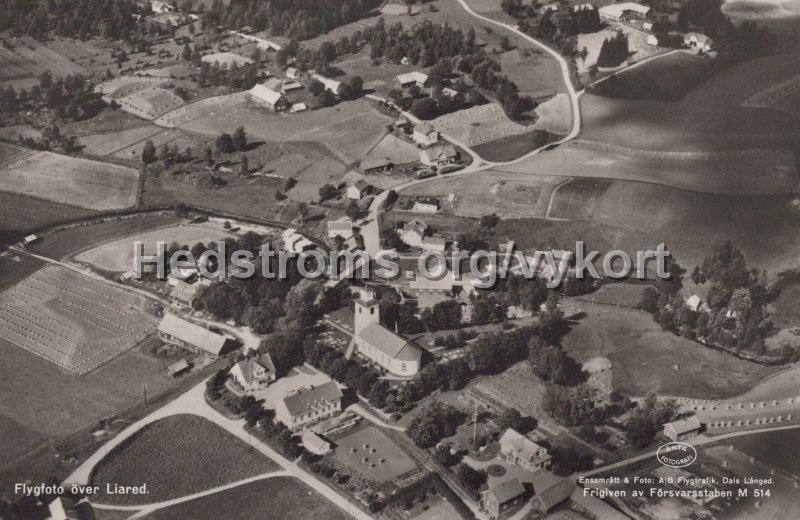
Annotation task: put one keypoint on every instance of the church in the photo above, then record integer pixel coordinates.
(374, 341)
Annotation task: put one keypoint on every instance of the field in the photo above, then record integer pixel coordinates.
(644, 356)
(13, 133)
(510, 195)
(71, 320)
(389, 461)
(534, 72)
(395, 149)
(668, 78)
(117, 255)
(279, 497)
(576, 199)
(177, 456)
(69, 180)
(64, 242)
(348, 129)
(478, 124)
(743, 172)
(22, 65)
(624, 294)
(19, 214)
(40, 401)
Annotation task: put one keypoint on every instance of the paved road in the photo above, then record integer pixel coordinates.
(193, 402)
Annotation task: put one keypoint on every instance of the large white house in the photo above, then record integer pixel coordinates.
(411, 78)
(309, 406)
(330, 84)
(387, 349)
(254, 373)
(425, 135)
(269, 98)
(523, 452)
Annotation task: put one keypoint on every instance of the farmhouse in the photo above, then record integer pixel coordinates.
(341, 228)
(254, 373)
(425, 135)
(293, 73)
(330, 84)
(376, 165)
(697, 41)
(647, 26)
(30, 240)
(427, 205)
(523, 452)
(309, 406)
(414, 232)
(183, 294)
(682, 429)
(289, 86)
(434, 244)
(268, 98)
(62, 509)
(438, 155)
(298, 107)
(377, 343)
(411, 78)
(357, 190)
(161, 7)
(652, 40)
(623, 11)
(503, 496)
(553, 496)
(194, 338)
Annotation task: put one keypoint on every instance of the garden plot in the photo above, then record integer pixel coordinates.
(69, 180)
(76, 322)
(374, 455)
(478, 124)
(117, 256)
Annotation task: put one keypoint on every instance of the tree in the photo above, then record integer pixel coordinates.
(316, 87)
(356, 86)
(510, 418)
(240, 139)
(649, 300)
(186, 54)
(244, 166)
(327, 191)
(224, 143)
(472, 478)
(353, 210)
(434, 422)
(327, 98)
(148, 152)
(425, 108)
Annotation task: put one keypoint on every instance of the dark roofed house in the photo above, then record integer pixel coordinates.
(190, 336)
(682, 429)
(309, 406)
(504, 496)
(551, 497)
(375, 165)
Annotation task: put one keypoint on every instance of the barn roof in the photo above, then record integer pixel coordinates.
(196, 335)
(391, 344)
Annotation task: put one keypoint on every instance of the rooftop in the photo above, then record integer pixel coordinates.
(196, 335)
(305, 400)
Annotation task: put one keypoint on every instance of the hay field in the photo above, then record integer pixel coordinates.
(478, 124)
(22, 65)
(109, 143)
(533, 73)
(69, 180)
(744, 172)
(117, 255)
(643, 356)
(385, 460)
(510, 195)
(20, 214)
(73, 321)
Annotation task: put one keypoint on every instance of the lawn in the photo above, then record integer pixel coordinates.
(65, 242)
(279, 497)
(644, 356)
(69, 180)
(177, 456)
(385, 460)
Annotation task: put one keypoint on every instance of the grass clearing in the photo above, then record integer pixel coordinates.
(279, 497)
(117, 255)
(177, 456)
(644, 356)
(69, 180)
(384, 459)
(80, 323)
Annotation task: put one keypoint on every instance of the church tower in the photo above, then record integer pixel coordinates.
(366, 310)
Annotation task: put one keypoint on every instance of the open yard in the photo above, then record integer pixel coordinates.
(71, 320)
(117, 255)
(278, 497)
(647, 359)
(372, 454)
(69, 180)
(478, 124)
(177, 456)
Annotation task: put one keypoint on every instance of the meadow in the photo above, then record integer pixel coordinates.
(177, 456)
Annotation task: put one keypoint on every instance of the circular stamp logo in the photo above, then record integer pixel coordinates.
(676, 454)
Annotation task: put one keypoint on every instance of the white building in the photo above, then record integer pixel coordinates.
(357, 190)
(523, 452)
(293, 73)
(682, 429)
(161, 7)
(425, 135)
(438, 155)
(434, 244)
(254, 373)
(623, 11)
(268, 98)
(185, 334)
(385, 348)
(414, 232)
(309, 406)
(330, 84)
(652, 40)
(697, 41)
(411, 78)
(342, 228)
(314, 443)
